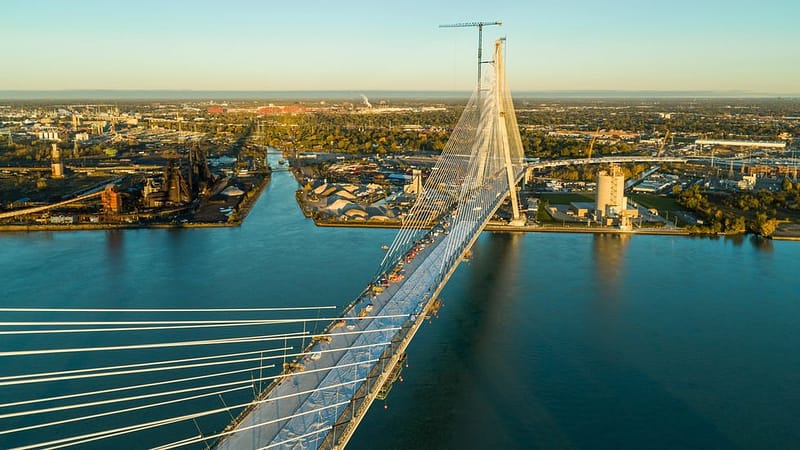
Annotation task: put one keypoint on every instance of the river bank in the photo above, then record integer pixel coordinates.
(242, 211)
(604, 341)
(501, 227)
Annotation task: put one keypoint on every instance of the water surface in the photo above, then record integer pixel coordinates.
(544, 341)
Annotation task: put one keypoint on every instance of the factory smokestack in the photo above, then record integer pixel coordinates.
(56, 166)
(366, 101)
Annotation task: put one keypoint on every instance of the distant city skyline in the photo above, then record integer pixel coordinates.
(347, 45)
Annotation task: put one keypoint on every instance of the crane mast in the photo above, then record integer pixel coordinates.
(480, 26)
(663, 143)
(591, 144)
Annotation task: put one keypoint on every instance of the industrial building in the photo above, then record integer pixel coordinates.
(611, 207)
(416, 183)
(610, 197)
(111, 199)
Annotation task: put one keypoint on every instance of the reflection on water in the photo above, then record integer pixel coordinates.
(757, 242)
(115, 247)
(736, 240)
(765, 245)
(608, 253)
(503, 258)
(493, 276)
(546, 340)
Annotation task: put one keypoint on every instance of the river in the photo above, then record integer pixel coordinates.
(544, 340)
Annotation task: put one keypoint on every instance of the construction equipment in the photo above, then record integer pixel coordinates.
(591, 144)
(480, 26)
(663, 143)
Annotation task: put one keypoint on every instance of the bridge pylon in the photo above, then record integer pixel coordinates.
(320, 398)
(498, 142)
(508, 131)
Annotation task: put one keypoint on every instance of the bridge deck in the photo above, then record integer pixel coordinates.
(606, 160)
(315, 397)
(303, 407)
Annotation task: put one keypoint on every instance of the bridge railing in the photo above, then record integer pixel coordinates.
(348, 420)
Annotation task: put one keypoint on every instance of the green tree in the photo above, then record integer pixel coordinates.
(541, 213)
(764, 225)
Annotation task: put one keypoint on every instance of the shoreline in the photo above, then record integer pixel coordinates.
(502, 228)
(786, 238)
(250, 200)
(247, 205)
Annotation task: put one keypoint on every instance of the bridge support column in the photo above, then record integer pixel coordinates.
(516, 218)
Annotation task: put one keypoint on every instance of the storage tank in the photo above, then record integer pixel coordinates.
(610, 192)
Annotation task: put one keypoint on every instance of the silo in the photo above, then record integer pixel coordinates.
(610, 192)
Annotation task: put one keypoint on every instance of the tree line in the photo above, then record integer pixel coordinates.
(758, 212)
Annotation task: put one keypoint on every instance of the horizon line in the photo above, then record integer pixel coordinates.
(103, 93)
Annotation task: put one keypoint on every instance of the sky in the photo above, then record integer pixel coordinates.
(668, 45)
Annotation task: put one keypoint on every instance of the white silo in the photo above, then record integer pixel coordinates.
(610, 192)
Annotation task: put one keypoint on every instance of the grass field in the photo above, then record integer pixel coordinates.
(565, 198)
(647, 200)
(657, 202)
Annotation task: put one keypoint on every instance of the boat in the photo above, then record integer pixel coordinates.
(282, 161)
(384, 247)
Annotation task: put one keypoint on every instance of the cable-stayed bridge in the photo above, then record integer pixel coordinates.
(309, 389)
(324, 395)
(331, 378)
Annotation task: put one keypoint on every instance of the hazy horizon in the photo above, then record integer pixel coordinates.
(357, 45)
(386, 94)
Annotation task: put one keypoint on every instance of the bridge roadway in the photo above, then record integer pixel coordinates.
(320, 405)
(604, 160)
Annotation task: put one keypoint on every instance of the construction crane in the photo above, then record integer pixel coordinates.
(663, 143)
(591, 144)
(480, 26)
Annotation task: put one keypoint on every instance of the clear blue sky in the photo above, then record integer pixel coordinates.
(397, 45)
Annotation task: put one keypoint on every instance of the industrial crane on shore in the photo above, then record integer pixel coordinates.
(663, 143)
(591, 144)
